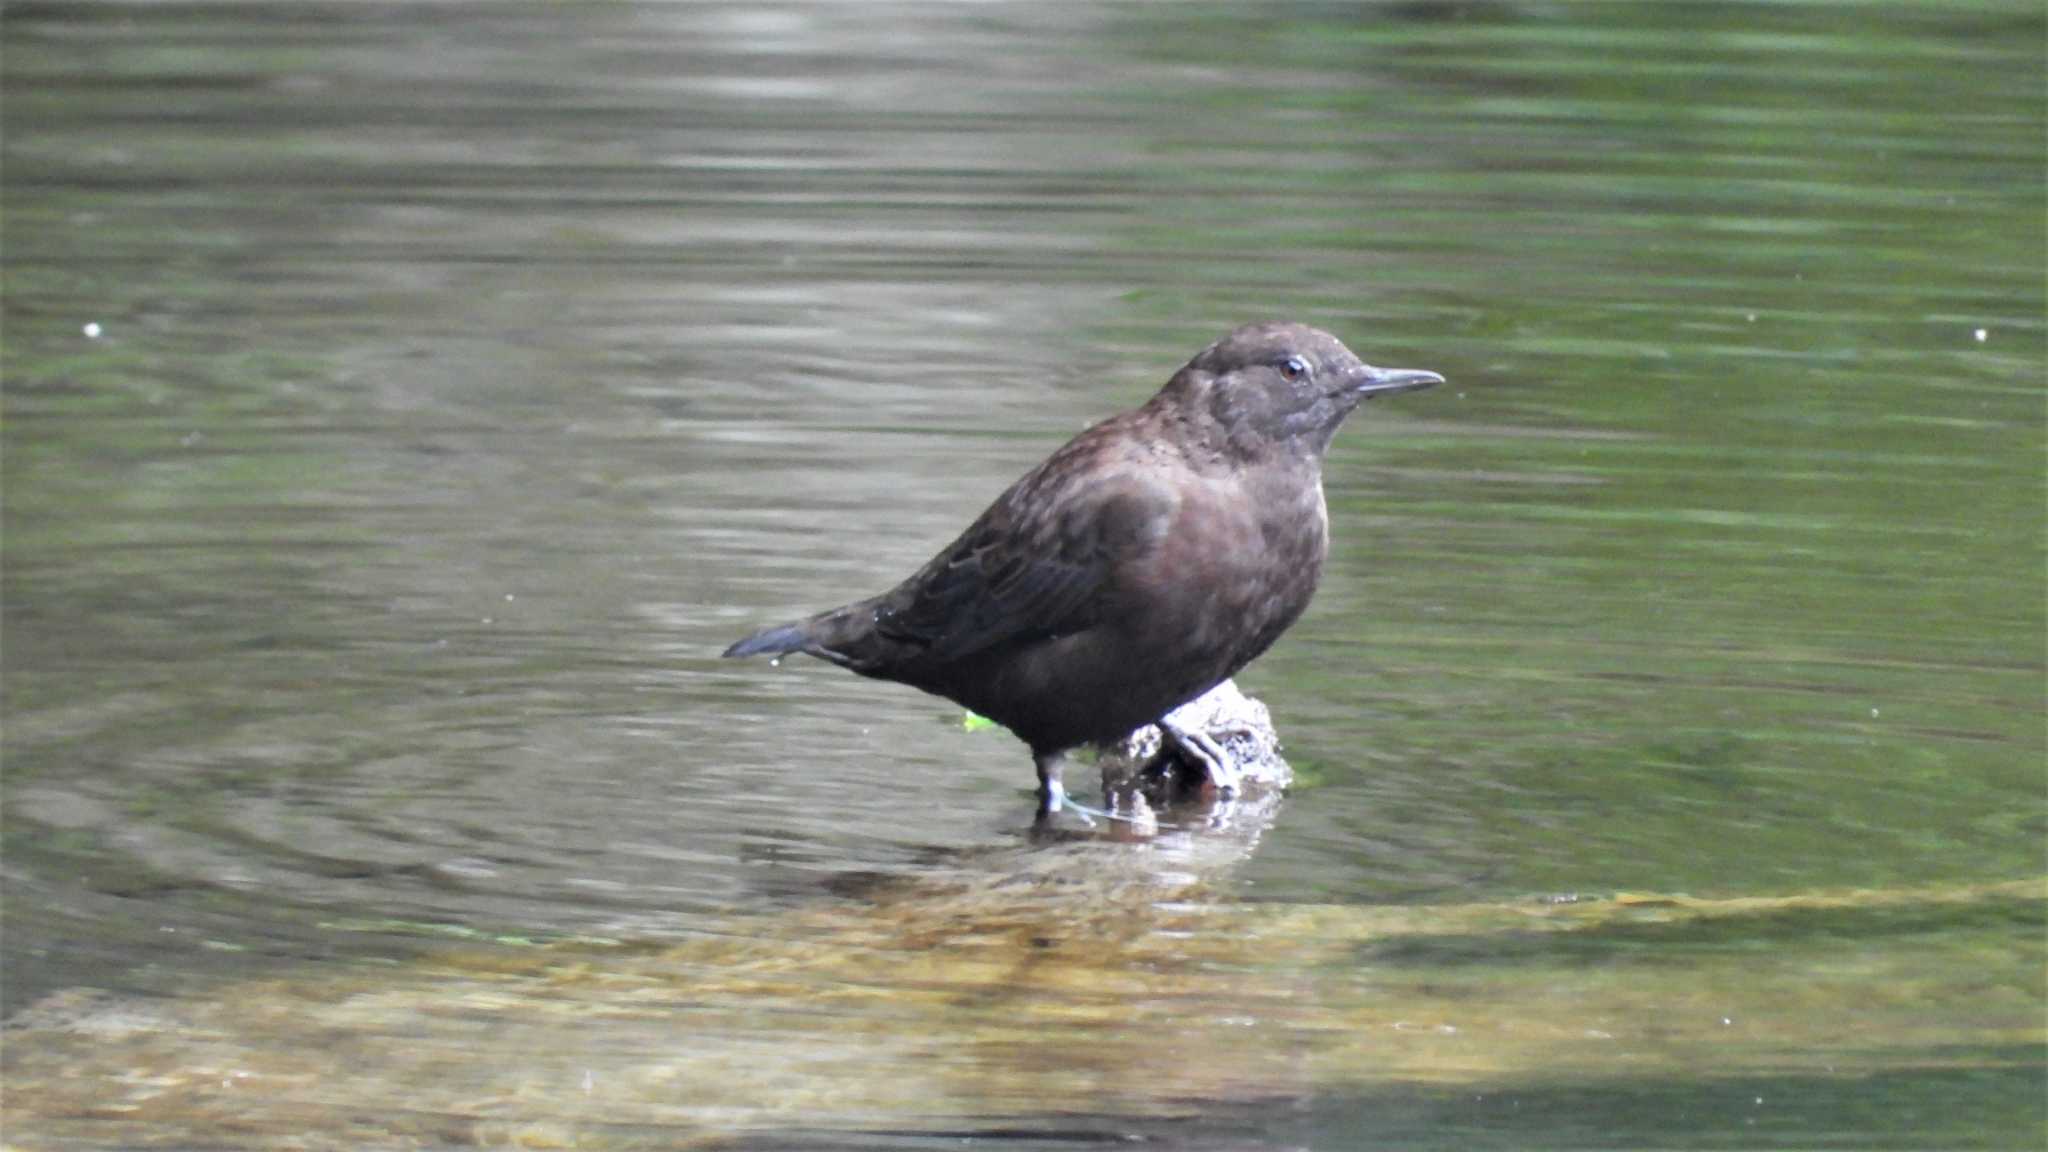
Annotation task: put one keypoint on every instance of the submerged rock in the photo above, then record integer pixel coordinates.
(1058, 1001)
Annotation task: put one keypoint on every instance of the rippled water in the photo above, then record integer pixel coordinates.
(463, 378)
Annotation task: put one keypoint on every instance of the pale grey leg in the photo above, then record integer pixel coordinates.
(1213, 757)
(1052, 794)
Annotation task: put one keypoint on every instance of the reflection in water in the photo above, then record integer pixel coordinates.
(463, 379)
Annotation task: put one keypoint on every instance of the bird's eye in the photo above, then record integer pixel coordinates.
(1294, 368)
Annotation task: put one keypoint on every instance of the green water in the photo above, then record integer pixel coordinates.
(465, 377)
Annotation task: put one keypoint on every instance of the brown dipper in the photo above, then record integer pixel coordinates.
(1140, 565)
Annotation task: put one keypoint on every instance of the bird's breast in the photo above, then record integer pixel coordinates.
(1237, 566)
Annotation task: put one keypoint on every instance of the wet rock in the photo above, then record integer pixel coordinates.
(1143, 772)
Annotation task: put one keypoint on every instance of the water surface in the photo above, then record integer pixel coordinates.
(464, 378)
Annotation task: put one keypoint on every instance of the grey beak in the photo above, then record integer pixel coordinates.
(1367, 381)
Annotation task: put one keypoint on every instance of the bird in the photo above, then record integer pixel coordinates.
(1141, 564)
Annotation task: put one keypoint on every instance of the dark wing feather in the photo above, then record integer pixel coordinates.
(1036, 566)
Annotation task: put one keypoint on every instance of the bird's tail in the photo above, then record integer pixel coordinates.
(771, 641)
(842, 636)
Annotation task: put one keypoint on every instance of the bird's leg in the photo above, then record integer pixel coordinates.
(1052, 794)
(1200, 747)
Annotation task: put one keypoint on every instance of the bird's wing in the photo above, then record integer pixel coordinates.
(1038, 564)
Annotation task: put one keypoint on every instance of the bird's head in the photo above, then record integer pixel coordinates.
(1276, 386)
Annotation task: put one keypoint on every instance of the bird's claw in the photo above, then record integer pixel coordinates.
(1053, 799)
(1214, 759)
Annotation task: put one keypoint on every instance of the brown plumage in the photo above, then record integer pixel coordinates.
(1140, 565)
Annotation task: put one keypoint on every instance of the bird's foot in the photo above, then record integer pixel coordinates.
(1053, 800)
(1201, 748)
(1052, 793)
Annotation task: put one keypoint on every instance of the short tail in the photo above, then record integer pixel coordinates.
(845, 636)
(773, 641)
